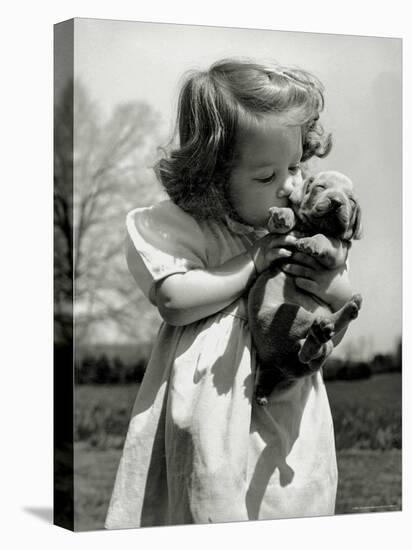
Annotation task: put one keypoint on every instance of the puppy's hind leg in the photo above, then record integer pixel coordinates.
(324, 328)
(347, 313)
(320, 332)
(268, 378)
(325, 350)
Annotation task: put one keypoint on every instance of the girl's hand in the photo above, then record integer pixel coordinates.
(270, 248)
(332, 286)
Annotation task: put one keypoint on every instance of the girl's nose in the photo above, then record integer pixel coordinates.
(287, 187)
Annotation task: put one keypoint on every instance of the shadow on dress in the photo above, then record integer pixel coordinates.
(278, 439)
(279, 444)
(160, 481)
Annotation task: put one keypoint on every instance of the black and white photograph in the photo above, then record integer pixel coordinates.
(229, 223)
(205, 274)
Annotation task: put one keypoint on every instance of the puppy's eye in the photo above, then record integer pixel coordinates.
(294, 169)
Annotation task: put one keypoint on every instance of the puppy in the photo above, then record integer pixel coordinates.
(291, 329)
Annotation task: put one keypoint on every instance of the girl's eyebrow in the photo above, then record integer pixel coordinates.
(266, 165)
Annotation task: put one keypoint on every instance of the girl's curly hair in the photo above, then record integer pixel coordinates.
(213, 106)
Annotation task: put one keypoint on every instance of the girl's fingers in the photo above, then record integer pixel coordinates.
(298, 270)
(306, 284)
(277, 253)
(282, 240)
(305, 259)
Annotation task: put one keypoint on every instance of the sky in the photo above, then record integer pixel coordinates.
(125, 61)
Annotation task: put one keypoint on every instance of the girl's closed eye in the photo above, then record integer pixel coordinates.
(293, 170)
(269, 179)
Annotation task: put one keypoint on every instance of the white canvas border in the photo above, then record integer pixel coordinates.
(27, 253)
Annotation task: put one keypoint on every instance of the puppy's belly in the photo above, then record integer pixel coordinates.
(274, 287)
(280, 315)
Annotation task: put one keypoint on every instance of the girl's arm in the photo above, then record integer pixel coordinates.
(184, 298)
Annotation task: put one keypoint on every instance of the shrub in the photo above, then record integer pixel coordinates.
(355, 371)
(106, 370)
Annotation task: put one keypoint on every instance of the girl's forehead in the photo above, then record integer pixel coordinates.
(261, 122)
(270, 136)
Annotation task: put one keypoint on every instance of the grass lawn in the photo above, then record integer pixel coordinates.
(95, 472)
(369, 481)
(369, 478)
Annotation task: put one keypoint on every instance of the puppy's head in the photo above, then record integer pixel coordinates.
(328, 205)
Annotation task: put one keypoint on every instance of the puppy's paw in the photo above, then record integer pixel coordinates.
(354, 305)
(347, 313)
(281, 220)
(323, 329)
(314, 246)
(320, 333)
(261, 395)
(261, 400)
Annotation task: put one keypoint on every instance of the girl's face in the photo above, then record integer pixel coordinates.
(267, 169)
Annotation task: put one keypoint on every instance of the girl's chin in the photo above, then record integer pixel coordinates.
(256, 223)
(261, 223)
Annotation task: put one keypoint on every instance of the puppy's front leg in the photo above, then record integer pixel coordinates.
(282, 219)
(330, 252)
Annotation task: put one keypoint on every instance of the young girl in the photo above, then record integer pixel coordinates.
(198, 448)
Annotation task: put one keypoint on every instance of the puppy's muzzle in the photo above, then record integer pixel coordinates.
(330, 213)
(328, 205)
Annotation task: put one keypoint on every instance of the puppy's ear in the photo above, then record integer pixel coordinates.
(310, 180)
(307, 184)
(357, 223)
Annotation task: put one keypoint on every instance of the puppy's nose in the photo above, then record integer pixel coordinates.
(328, 205)
(335, 203)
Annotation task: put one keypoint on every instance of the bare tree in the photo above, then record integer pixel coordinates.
(102, 169)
